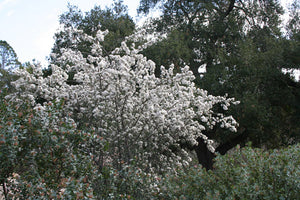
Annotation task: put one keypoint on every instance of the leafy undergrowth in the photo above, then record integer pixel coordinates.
(43, 155)
(247, 173)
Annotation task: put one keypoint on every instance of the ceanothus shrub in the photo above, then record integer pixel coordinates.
(244, 173)
(141, 118)
(42, 153)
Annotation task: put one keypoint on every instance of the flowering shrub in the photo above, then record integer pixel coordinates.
(245, 174)
(139, 116)
(42, 154)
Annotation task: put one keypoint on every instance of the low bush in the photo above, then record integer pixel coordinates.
(246, 173)
(128, 183)
(42, 154)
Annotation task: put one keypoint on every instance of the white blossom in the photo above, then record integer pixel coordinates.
(138, 114)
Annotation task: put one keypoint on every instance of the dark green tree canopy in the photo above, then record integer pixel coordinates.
(8, 63)
(115, 19)
(8, 57)
(215, 26)
(243, 48)
(293, 25)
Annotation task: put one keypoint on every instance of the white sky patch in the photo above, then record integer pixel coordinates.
(10, 13)
(4, 3)
(202, 69)
(295, 73)
(286, 4)
(44, 42)
(29, 25)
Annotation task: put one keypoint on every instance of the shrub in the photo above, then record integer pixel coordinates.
(42, 154)
(140, 116)
(128, 183)
(246, 173)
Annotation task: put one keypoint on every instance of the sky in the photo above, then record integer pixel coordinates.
(29, 25)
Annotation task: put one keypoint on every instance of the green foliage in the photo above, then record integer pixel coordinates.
(176, 45)
(8, 62)
(128, 183)
(115, 19)
(246, 173)
(8, 57)
(241, 45)
(293, 26)
(268, 110)
(42, 154)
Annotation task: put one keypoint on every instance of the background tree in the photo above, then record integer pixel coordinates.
(8, 62)
(42, 154)
(292, 44)
(242, 48)
(115, 19)
(293, 24)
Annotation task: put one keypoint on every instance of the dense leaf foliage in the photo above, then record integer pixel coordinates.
(8, 57)
(241, 50)
(245, 173)
(105, 122)
(8, 62)
(115, 19)
(42, 155)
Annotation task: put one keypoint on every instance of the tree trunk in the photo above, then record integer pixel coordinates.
(205, 157)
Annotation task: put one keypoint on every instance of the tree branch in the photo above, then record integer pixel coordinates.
(229, 9)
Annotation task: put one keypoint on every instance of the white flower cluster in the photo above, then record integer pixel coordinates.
(143, 118)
